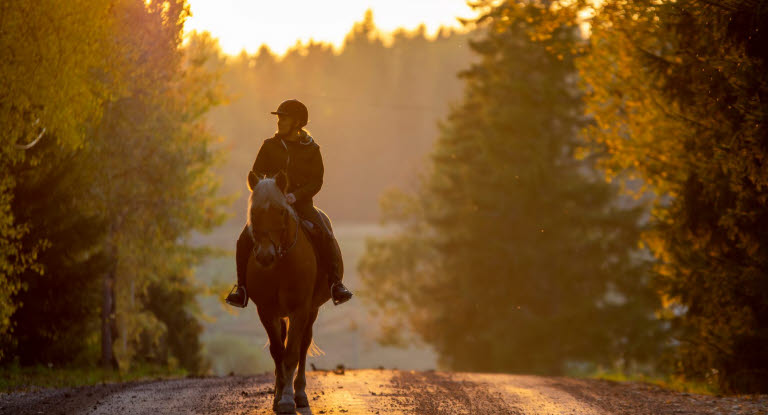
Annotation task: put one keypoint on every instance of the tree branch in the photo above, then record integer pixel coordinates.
(30, 145)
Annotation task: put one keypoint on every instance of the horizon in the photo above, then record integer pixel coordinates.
(240, 26)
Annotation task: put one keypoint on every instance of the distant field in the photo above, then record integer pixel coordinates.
(234, 340)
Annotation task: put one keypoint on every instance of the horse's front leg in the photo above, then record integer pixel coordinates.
(296, 327)
(300, 384)
(276, 349)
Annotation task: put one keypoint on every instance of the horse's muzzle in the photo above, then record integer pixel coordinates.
(265, 257)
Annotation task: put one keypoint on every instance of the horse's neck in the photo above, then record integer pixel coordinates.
(295, 231)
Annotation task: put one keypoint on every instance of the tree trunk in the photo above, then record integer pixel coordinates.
(108, 323)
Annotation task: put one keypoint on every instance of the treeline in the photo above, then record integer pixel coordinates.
(516, 254)
(106, 169)
(373, 106)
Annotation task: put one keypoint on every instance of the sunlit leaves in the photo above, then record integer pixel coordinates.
(672, 87)
(53, 56)
(152, 158)
(118, 96)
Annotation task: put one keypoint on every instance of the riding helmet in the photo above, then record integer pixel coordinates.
(294, 108)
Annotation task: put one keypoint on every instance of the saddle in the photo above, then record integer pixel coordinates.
(315, 234)
(313, 230)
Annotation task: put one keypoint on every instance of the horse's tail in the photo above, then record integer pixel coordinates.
(314, 349)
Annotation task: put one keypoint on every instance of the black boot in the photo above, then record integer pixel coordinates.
(339, 293)
(238, 297)
(332, 260)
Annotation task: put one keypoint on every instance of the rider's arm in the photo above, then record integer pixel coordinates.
(315, 182)
(262, 165)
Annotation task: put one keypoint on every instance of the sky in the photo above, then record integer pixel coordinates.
(247, 24)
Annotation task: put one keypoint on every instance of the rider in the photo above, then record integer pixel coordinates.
(294, 151)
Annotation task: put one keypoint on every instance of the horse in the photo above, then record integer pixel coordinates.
(284, 282)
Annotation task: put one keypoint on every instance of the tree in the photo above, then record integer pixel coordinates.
(152, 167)
(513, 255)
(58, 308)
(52, 51)
(113, 200)
(678, 92)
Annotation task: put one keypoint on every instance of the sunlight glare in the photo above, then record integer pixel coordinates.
(247, 24)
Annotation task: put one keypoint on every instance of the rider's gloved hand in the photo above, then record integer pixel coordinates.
(291, 198)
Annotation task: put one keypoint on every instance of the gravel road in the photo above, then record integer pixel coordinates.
(381, 392)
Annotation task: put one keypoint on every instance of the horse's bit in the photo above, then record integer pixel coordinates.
(281, 251)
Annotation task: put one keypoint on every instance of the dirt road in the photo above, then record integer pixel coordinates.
(380, 392)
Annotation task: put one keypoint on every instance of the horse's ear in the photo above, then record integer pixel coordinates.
(281, 179)
(253, 180)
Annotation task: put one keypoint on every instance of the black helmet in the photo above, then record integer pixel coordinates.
(295, 109)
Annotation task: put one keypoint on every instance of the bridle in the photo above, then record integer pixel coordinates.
(281, 250)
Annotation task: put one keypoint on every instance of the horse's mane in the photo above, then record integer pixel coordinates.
(266, 194)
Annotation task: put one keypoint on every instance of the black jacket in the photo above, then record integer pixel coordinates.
(300, 159)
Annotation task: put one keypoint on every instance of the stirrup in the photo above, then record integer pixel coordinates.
(245, 302)
(343, 300)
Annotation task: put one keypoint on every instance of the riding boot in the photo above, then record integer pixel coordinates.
(331, 258)
(237, 296)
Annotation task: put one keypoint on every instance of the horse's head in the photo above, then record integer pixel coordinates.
(268, 216)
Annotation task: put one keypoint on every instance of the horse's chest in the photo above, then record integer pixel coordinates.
(283, 287)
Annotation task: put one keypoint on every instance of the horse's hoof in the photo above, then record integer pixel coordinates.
(302, 402)
(286, 408)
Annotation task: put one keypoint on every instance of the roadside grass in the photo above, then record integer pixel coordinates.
(14, 378)
(669, 382)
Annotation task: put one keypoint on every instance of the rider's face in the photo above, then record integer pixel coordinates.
(285, 124)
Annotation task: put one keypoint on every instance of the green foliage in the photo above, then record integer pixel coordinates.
(16, 378)
(152, 176)
(50, 49)
(233, 354)
(13, 260)
(59, 305)
(513, 255)
(670, 382)
(677, 91)
(169, 302)
(102, 212)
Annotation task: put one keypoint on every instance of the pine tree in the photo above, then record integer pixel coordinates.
(513, 255)
(678, 92)
(59, 306)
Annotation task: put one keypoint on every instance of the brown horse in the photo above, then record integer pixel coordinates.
(284, 283)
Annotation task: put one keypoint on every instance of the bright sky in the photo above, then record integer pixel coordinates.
(246, 24)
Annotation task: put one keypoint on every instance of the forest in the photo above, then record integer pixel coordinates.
(374, 108)
(571, 186)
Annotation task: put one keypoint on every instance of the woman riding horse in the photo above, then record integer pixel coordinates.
(285, 284)
(294, 152)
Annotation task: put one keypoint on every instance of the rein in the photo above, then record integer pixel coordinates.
(282, 251)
